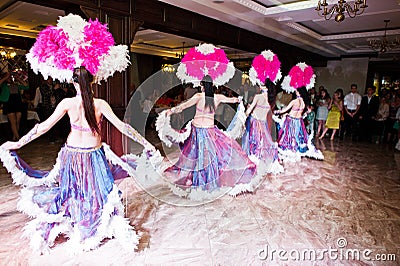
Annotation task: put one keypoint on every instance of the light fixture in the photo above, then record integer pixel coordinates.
(384, 45)
(245, 75)
(167, 68)
(7, 53)
(181, 54)
(339, 8)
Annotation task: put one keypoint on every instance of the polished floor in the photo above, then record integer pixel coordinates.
(347, 204)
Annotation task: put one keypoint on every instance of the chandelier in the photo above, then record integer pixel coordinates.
(7, 53)
(168, 68)
(383, 45)
(340, 8)
(181, 54)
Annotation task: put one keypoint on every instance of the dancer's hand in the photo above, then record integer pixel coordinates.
(11, 145)
(150, 147)
(168, 112)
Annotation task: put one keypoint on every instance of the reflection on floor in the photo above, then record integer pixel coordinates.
(349, 202)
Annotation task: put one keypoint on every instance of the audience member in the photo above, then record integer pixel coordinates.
(380, 120)
(11, 86)
(323, 101)
(352, 102)
(368, 108)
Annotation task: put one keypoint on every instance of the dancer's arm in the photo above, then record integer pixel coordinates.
(252, 106)
(287, 108)
(177, 109)
(123, 127)
(223, 99)
(40, 128)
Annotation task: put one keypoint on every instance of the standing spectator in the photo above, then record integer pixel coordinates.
(164, 101)
(219, 112)
(380, 119)
(310, 112)
(148, 111)
(283, 98)
(59, 130)
(45, 101)
(394, 104)
(341, 97)
(246, 93)
(11, 86)
(398, 129)
(333, 119)
(313, 97)
(310, 119)
(324, 100)
(352, 102)
(368, 109)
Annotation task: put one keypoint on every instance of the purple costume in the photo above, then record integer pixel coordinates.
(77, 198)
(294, 142)
(210, 160)
(258, 144)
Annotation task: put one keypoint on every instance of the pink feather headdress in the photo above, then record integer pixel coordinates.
(265, 65)
(75, 42)
(202, 60)
(300, 75)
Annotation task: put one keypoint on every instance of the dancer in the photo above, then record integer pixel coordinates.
(293, 140)
(78, 197)
(210, 161)
(86, 205)
(257, 141)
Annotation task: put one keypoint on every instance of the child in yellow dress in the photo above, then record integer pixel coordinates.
(335, 112)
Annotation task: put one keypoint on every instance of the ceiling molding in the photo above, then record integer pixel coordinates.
(369, 34)
(281, 8)
(19, 33)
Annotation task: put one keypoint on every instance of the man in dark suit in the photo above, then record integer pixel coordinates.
(368, 109)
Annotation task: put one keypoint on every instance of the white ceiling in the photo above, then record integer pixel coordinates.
(290, 21)
(297, 23)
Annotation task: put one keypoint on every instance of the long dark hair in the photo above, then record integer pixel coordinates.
(209, 92)
(327, 96)
(304, 95)
(271, 91)
(84, 78)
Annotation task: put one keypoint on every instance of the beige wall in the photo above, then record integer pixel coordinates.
(342, 73)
